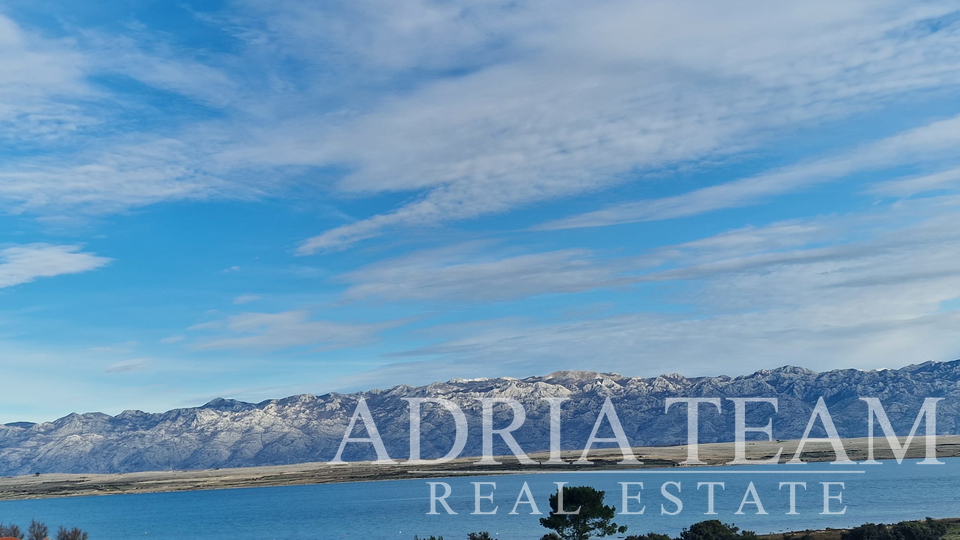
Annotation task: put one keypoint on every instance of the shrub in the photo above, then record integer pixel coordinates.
(37, 531)
(10, 531)
(649, 536)
(715, 530)
(71, 534)
(905, 530)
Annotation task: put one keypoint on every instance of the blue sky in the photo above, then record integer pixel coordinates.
(252, 199)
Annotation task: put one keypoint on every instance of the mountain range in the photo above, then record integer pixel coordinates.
(309, 428)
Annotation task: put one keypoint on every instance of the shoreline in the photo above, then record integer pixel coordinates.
(55, 485)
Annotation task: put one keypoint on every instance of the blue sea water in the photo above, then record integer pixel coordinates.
(398, 509)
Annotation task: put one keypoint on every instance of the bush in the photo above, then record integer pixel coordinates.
(715, 530)
(905, 530)
(71, 534)
(37, 531)
(10, 531)
(483, 535)
(649, 536)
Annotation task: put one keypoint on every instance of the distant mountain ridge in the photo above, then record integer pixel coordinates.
(305, 428)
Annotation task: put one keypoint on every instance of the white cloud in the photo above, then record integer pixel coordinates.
(113, 179)
(26, 263)
(905, 187)
(153, 62)
(471, 107)
(40, 80)
(936, 141)
(125, 347)
(594, 98)
(128, 366)
(85, 147)
(275, 331)
(469, 272)
(245, 299)
(789, 293)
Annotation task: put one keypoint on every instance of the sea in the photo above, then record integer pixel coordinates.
(400, 509)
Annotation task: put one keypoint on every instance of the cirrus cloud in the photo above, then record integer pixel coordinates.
(284, 330)
(26, 263)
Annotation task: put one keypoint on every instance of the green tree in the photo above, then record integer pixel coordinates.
(593, 518)
(483, 535)
(649, 536)
(715, 530)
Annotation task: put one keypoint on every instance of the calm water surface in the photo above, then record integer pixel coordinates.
(398, 509)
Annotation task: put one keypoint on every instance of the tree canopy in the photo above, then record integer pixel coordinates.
(593, 518)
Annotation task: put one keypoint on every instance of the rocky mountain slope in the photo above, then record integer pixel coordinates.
(227, 433)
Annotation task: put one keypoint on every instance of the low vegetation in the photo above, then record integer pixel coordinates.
(905, 530)
(929, 529)
(40, 531)
(596, 520)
